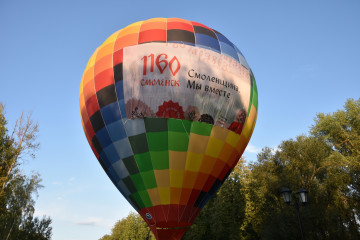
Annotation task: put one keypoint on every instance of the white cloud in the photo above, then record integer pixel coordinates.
(252, 149)
(91, 221)
(96, 222)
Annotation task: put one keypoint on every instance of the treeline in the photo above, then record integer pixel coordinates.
(249, 206)
(17, 190)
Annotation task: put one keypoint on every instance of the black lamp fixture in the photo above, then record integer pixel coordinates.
(286, 193)
(300, 200)
(303, 195)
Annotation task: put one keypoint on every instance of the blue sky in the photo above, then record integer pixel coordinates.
(304, 55)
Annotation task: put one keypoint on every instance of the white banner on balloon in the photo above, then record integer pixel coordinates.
(186, 82)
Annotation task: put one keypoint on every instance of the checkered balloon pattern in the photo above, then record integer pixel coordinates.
(168, 107)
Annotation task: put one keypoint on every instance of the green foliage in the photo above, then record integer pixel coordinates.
(16, 189)
(133, 227)
(306, 162)
(106, 237)
(341, 130)
(326, 163)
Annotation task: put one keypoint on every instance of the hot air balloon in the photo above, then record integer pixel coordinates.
(168, 107)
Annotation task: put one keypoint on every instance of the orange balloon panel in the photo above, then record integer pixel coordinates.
(168, 107)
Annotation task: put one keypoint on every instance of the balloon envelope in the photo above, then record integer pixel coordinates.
(168, 107)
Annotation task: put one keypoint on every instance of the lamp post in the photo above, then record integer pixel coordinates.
(300, 199)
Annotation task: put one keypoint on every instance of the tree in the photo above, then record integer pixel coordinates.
(133, 227)
(35, 229)
(22, 143)
(306, 162)
(326, 163)
(106, 237)
(341, 130)
(16, 189)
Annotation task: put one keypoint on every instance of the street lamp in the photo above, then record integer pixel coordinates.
(286, 193)
(300, 199)
(303, 195)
